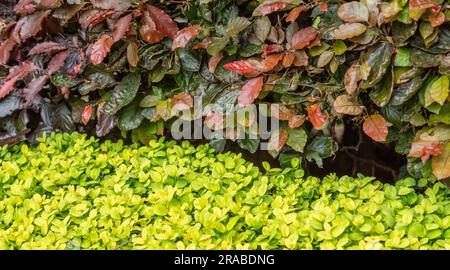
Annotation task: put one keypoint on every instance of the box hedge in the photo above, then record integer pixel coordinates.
(74, 192)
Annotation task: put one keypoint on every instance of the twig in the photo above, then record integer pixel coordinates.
(16, 138)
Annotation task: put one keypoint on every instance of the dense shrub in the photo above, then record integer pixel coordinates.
(134, 64)
(72, 192)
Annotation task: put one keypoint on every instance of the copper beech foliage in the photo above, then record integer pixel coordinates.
(98, 65)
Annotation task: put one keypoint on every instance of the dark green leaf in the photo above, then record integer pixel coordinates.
(189, 62)
(382, 92)
(130, 117)
(123, 93)
(248, 144)
(378, 58)
(407, 90)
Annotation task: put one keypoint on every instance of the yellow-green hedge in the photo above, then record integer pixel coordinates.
(72, 192)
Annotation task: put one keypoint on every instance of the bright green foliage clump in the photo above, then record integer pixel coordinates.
(72, 192)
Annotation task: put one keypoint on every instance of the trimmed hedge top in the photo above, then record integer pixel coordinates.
(73, 192)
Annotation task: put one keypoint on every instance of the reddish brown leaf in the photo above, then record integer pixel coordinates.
(117, 5)
(49, 3)
(213, 61)
(288, 59)
(32, 89)
(302, 38)
(250, 91)
(278, 139)
(301, 59)
(100, 49)
(351, 79)
(264, 9)
(316, 116)
(33, 24)
(431, 150)
(121, 27)
(282, 112)
(182, 101)
(86, 114)
(132, 54)
(92, 17)
(436, 19)
(17, 73)
(25, 7)
(57, 62)
(241, 66)
(47, 47)
(296, 121)
(6, 30)
(164, 24)
(294, 13)
(272, 48)
(425, 146)
(15, 33)
(270, 62)
(323, 7)
(149, 34)
(420, 4)
(314, 43)
(5, 51)
(375, 126)
(183, 36)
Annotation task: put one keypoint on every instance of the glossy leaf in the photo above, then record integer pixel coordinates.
(123, 93)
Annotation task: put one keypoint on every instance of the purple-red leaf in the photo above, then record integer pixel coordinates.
(92, 17)
(121, 27)
(33, 24)
(164, 24)
(57, 62)
(250, 91)
(117, 5)
(17, 73)
(47, 47)
(32, 89)
(100, 49)
(5, 51)
(25, 7)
